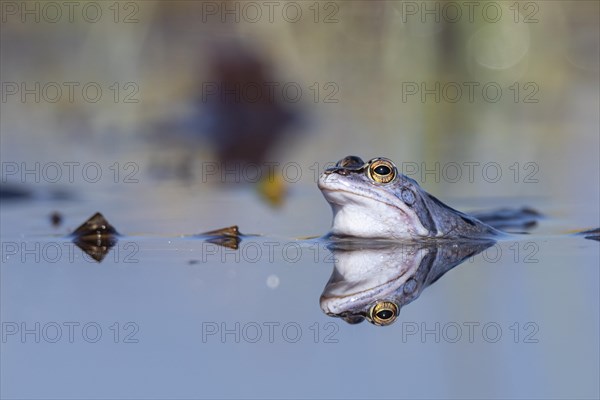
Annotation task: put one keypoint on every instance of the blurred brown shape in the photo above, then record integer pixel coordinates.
(56, 219)
(245, 107)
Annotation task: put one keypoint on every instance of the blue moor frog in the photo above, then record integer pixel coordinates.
(373, 200)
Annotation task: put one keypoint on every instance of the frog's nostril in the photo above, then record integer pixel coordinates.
(336, 170)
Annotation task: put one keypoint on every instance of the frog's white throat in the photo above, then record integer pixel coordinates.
(358, 216)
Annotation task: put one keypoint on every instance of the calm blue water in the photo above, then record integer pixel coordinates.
(167, 316)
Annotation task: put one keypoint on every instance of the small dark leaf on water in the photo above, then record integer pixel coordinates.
(227, 237)
(97, 225)
(96, 237)
(230, 231)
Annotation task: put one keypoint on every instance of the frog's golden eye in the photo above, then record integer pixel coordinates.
(382, 171)
(383, 313)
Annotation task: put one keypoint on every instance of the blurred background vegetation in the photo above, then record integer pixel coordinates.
(358, 64)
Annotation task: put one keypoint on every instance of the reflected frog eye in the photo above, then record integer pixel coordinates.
(383, 313)
(382, 171)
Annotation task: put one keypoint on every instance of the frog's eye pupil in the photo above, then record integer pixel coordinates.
(385, 314)
(383, 170)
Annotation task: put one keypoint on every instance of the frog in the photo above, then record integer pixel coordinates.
(372, 200)
(373, 280)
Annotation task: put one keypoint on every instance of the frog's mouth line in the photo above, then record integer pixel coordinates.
(370, 290)
(323, 189)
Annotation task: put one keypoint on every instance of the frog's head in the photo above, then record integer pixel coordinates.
(373, 280)
(372, 200)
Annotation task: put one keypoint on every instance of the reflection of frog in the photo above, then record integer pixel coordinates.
(374, 280)
(373, 200)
